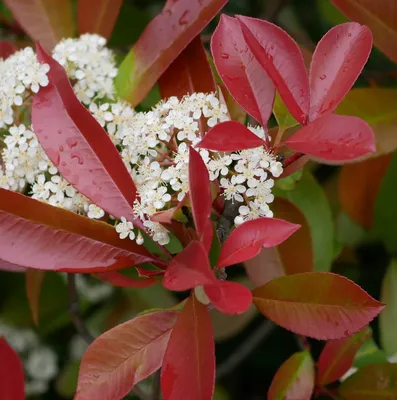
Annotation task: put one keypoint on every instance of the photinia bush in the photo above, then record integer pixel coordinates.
(178, 194)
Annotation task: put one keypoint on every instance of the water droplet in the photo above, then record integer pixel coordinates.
(59, 132)
(345, 69)
(272, 47)
(60, 148)
(323, 76)
(302, 92)
(78, 158)
(71, 142)
(94, 182)
(349, 34)
(89, 170)
(346, 332)
(183, 19)
(63, 163)
(45, 137)
(225, 56)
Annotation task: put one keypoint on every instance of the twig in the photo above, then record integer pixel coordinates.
(74, 310)
(245, 349)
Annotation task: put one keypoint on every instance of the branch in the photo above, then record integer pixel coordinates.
(74, 310)
(244, 350)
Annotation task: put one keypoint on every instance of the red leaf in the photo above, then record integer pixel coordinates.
(229, 297)
(200, 197)
(281, 58)
(78, 146)
(230, 136)
(247, 240)
(124, 356)
(12, 386)
(317, 304)
(189, 268)
(334, 138)
(78, 244)
(247, 82)
(190, 72)
(7, 48)
(6, 266)
(33, 281)
(98, 16)
(294, 380)
(120, 280)
(337, 61)
(338, 355)
(47, 21)
(160, 44)
(188, 370)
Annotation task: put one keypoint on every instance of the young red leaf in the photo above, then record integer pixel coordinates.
(281, 58)
(120, 280)
(190, 72)
(98, 16)
(247, 240)
(334, 138)
(337, 61)
(78, 244)
(12, 381)
(189, 268)
(78, 146)
(6, 266)
(34, 280)
(161, 42)
(317, 304)
(294, 379)
(124, 356)
(188, 370)
(200, 197)
(47, 21)
(229, 297)
(247, 82)
(7, 48)
(230, 136)
(338, 355)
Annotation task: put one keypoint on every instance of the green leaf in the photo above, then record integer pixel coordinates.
(388, 318)
(309, 198)
(369, 353)
(385, 218)
(283, 117)
(289, 182)
(66, 382)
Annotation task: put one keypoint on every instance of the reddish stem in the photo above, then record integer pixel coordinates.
(292, 159)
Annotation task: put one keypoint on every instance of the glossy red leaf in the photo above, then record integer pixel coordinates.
(280, 56)
(120, 280)
(337, 61)
(190, 72)
(338, 356)
(230, 136)
(123, 356)
(200, 197)
(7, 48)
(241, 73)
(189, 268)
(294, 380)
(6, 266)
(12, 381)
(98, 16)
(78, 146)
(78, 244)
(160, 44)
(47, 21)
(188, 370)
(317, 304)
(247, 240)
(229, 297)
(334, 138)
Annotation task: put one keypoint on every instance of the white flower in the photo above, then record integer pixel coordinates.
(125, 228)
(159, 233)
(232, 190)
(42, 363)
(95, 212)
(276, 168)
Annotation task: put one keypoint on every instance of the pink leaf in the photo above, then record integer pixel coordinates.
(6, 266)
(320, 305)
(124, 356)
(247, 240)
(120, 280)
(334, 138)
(12, 385)
(337, 61)
(189, 268)
(78, 146)
(230, 136)
(229, 297)
(7, 48)
(281, 58)
(200, 196)
(247, 82)
(188, 370)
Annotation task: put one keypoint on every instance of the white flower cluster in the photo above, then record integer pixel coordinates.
(20, 75)
(39, 361)
(89, 64)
